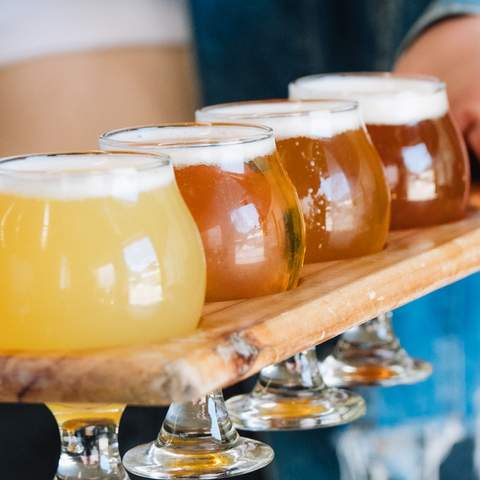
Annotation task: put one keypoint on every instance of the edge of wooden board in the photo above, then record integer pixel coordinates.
(237, 339)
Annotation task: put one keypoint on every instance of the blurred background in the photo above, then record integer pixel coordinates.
(71, 69)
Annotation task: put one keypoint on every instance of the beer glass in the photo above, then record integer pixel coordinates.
(97, 250)
(427, 170)
(252, 229)
(345, 201)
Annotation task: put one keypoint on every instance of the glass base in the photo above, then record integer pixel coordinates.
(376, 367)
(154, 460)
(92, 475)
(371, 354)
(327, 407)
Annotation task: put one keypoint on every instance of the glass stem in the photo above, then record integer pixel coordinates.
(201, 425)
(89, 448)
(375, 333)
(297, 373)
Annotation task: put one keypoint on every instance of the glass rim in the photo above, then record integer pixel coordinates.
(343, 105)
(439, 84)
(264, 133)
(158, 160)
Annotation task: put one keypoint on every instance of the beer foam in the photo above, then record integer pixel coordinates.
(384, 99)
(81, 176)
(322, 119)
(195, 144)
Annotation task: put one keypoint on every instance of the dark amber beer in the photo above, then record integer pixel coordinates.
(408, 120)
(242, 201)
(336, 171)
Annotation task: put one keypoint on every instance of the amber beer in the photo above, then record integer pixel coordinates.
(241, 199)
(335, 169)
(408, 120)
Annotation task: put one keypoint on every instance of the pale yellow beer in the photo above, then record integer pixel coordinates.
(96, 250)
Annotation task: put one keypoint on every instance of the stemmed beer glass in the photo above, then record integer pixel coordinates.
(345, 201)
(252, 230)
(427, 169)
(97, 250)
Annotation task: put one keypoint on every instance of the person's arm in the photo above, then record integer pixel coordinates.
(445, 42)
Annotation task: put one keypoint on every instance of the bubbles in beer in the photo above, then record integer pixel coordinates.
(241, 199)
(336, 171)
(408, 121)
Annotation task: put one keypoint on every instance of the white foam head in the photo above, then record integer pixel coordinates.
(195, 144)
(312, 119)
(384, 99)
(76, 176)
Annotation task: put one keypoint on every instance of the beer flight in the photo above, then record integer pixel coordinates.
(122, 246)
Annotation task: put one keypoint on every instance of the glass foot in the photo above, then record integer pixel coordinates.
(273, 411)
(198, 440)
(291, 395)
(370, 354)
(159, 461)
(374, 368)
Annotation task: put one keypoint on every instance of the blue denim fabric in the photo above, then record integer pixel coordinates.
(252, 48)
(438, 10)
(405, 425)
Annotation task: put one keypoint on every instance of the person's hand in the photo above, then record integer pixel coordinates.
(450, 50)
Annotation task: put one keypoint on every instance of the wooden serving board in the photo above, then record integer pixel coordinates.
(237, 339)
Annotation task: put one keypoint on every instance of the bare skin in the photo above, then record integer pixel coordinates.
(450, 50)
(64, 101)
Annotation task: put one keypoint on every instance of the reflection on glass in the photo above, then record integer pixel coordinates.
(241, 200)
(145, 287)
(344, 197)
(252, 229)
(419, 168)
(426, 431)
(250, 250)
(85, 241)
(408, 120)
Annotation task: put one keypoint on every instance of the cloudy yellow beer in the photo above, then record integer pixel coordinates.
(96, 251)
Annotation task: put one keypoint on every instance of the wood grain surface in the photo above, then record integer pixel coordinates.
(237, 339)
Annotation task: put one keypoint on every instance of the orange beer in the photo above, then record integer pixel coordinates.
(408, 120)
(334, 167)
(243, 203)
